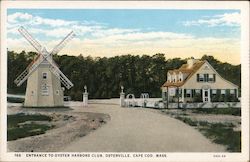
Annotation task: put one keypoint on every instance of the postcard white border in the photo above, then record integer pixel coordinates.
(243, 6)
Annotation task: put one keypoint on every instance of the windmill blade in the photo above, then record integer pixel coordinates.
(55, 70)
(63, 79)
(22, 77)
(45, 56)
(27, 72)
(30, 39)
(63, 43)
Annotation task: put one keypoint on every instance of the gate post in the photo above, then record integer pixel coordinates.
(85, 97)
(122, 97)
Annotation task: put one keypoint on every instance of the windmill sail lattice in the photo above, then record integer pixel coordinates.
(44, 78)
(45, 57)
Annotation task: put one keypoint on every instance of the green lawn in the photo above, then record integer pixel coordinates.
(221, 133)
(16, 131)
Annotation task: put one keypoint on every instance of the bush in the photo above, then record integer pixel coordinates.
(225, 111)
(197, 97)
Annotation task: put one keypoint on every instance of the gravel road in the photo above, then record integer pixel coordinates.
(140, 130)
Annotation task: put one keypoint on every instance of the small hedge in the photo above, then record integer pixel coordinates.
(224, 111)
(15, 100)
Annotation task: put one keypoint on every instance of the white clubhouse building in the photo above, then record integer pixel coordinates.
(197, 81)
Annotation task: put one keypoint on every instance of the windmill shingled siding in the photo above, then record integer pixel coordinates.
(34, 84)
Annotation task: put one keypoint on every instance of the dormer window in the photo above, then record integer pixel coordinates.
(175, 77)
(169, 77)
(180, 77)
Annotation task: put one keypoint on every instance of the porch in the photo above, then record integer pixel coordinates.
(204, 95)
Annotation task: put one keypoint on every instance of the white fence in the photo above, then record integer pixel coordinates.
(157, 103)
(138, 102)
(206, 105)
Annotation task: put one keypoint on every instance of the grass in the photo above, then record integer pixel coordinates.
(224, 111)
(15, 130)
(187, 120)
(223, 134)
(220, 133)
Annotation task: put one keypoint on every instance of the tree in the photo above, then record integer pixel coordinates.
(104, 76)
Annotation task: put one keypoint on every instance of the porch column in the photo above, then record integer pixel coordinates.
(237, 93)
(182, 95)
(209, 95)
(178, 95)
(167, 98)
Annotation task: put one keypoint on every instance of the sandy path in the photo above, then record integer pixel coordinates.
(140, 130)
(68, 126)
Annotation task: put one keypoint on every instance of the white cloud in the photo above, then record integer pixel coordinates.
(25, 18)
(18, 16)
(100, 40)
(227, 19)
(51, 22)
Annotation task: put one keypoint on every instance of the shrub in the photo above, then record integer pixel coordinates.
(197, 97)
(15, 100)
(225, 111)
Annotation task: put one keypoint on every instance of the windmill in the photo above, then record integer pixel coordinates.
(43, 75)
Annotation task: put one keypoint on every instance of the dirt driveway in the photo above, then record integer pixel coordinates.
(140, 130)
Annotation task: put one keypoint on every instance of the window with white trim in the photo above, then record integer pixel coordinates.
(231, 91)
(188, 93)
(223, 91)
(197, 91)
(210, 77)
(201, 77)
(172, 91)
(214, 91)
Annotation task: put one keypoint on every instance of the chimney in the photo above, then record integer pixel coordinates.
(191, 62)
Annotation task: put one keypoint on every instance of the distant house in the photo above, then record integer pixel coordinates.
(197, 81)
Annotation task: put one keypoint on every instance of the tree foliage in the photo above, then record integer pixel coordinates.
(104, 76)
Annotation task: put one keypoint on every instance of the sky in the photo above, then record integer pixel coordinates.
(111, 32)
